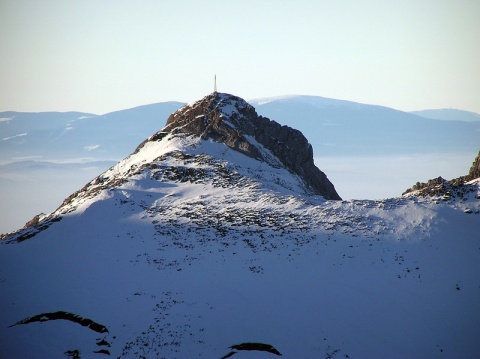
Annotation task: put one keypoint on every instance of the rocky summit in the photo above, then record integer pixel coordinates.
(231, 120)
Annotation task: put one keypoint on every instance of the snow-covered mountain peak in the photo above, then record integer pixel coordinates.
(207, 144)
(231, 121)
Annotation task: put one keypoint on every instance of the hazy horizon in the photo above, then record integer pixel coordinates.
(101, 57)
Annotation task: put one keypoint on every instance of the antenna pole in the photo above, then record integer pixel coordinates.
(215, 84)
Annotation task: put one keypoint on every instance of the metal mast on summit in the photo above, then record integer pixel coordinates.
(215, 84)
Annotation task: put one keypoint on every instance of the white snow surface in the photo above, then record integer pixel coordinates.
(187, 247)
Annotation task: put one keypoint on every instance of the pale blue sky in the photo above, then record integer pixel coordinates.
(105, 55)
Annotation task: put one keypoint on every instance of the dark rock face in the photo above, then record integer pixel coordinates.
(231, 120)
(252, 347)
(44, 317)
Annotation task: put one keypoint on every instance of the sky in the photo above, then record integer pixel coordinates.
(108, 55)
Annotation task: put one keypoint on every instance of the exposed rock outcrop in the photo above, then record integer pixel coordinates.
(440, 187)
(231, 120)
(475, 169)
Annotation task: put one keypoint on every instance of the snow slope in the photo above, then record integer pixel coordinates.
(187, 248)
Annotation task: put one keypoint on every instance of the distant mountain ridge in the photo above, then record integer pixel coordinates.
(332, 126)
(449, 115)
(340, 128)
(74, 135)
